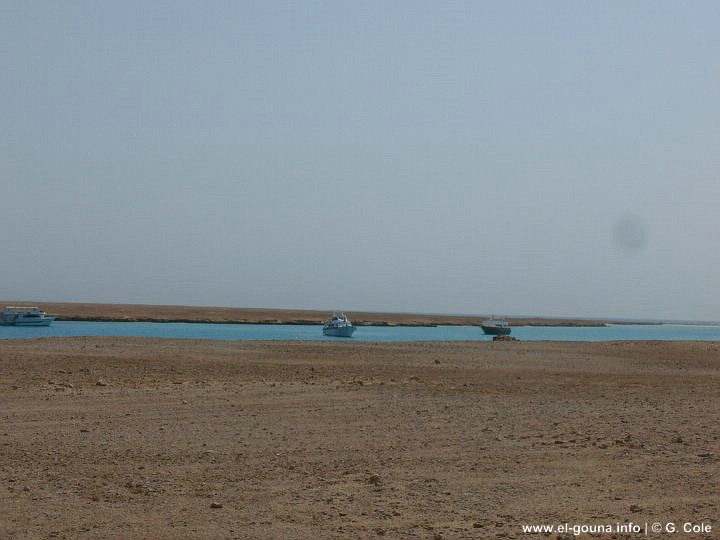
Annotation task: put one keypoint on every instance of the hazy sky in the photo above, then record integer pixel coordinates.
(552, 158)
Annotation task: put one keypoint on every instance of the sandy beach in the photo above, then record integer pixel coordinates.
(70, 311)
(138, 438)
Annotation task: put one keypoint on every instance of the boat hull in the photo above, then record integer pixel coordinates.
(339, 331)
(496, 330)
(46, 321)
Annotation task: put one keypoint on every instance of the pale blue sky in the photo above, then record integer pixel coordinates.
(550, 158)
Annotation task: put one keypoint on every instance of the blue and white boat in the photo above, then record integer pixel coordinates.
(338, 326)
(24, 316)
(496, 327)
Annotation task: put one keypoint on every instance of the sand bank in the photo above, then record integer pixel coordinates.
(149, 313)
(136, 438)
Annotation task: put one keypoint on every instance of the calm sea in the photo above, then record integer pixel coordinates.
(363, 333)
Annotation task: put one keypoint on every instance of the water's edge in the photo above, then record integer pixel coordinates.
(296, 332)
(308, 322)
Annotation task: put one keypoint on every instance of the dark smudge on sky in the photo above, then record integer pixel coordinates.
(630, 234)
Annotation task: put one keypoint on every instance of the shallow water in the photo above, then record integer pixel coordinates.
(363, 333)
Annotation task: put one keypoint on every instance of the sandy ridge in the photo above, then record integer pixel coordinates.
(152, 313)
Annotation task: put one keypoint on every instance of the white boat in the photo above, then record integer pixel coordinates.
(496, 327)
(338, 326)
(24, 316)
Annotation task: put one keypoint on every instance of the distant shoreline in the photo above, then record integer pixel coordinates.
(89, 312)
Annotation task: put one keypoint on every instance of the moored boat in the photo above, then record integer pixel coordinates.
(338, 326)
(496, 327)
(24, 316)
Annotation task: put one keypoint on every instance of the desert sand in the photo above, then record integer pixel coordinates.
(153, 313)
(139, 438)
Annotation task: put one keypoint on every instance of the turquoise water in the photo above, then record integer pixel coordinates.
(363, 333)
